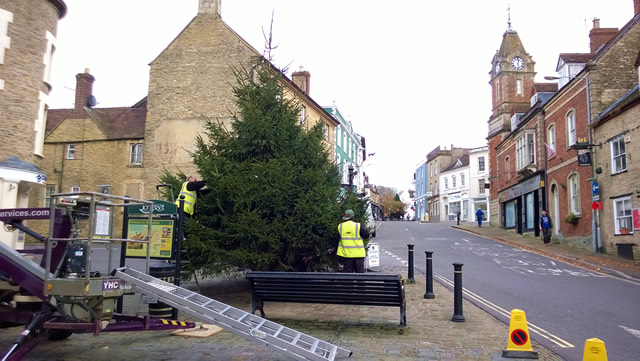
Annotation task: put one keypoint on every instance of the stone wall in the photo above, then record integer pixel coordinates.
(22, 73)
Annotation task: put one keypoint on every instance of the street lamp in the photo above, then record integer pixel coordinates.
(595, 218)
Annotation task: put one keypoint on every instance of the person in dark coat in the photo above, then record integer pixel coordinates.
(545, 227)
(479, 216)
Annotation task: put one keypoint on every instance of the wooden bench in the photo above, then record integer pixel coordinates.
(368, 289)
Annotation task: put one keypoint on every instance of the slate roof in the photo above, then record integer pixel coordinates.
(575, 57)
(545, 87)
(115, 123)
(464, 160)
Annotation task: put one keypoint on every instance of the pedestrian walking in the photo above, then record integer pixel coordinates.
(545, 227)
(458, 217)
(479, 216)
(351, 250)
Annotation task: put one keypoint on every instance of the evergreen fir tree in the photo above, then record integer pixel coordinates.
(275, 196)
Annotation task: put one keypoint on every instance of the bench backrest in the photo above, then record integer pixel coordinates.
(374, 289)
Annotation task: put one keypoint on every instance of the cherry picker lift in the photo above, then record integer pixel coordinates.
(61, 295)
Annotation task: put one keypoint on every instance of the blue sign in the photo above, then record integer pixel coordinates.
(595, 187)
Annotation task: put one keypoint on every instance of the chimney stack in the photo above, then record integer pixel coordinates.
(211, 7)
(84, 88)
(599, 36)
(302, 79)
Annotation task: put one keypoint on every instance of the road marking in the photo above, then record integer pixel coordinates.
(501, 311)
(636, 333)
(552, 263)
(466, 240)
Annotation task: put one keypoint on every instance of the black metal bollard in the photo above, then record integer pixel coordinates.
(429, 293)
(411, 278)
(457, 293)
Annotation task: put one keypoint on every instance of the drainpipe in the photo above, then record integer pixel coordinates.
(595, 214)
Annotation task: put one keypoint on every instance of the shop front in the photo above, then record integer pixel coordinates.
(522, 203)
(483, 204)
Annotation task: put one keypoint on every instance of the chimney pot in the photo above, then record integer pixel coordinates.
(84, 88)
(210, 7)
(599, 36)
(302, 79)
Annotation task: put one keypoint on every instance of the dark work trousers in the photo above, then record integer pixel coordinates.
(546, 235)
(352, 265)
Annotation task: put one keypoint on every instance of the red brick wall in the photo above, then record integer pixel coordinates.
(493, 167)
(564, 163)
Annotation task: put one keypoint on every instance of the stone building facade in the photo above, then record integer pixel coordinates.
(437, 160)
(618, 130)
(27, 42)
(615, 122)
(191, 81)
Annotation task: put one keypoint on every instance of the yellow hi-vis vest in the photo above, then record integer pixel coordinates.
(351, 244)
(190, 198)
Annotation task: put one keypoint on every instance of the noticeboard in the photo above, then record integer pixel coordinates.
(162, 231)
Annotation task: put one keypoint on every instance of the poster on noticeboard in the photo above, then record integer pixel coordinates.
(161, 238)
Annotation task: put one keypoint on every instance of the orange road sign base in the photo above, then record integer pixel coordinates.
(520, 354)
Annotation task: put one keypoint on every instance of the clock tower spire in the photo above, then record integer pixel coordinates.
(511, 79)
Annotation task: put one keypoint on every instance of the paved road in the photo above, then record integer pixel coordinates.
(564, 304)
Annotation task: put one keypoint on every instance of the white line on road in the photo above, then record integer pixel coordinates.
(466, 240)
(501, 311)
(552, 263)
(636, 333)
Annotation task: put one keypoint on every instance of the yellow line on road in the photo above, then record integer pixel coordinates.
(541, 332)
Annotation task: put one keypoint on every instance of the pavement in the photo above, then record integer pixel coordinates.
(371, 333)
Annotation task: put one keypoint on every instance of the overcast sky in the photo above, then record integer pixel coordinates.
(410, 74)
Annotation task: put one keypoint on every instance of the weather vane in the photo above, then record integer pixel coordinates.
(509, 16)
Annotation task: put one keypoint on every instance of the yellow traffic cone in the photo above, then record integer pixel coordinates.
(594, 350)
(519, 343)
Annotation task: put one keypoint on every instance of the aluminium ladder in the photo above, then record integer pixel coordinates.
(273, 335)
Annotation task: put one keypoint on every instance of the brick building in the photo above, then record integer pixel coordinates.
(511, 79)
(566, 125)
(27, 42)
(520, 159)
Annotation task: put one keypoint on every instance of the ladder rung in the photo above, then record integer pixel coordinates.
(225, 310)
(260, 325)
(191, 295)
(334, 350)
(242, 317)
(295, 339)
(206, 303)
(315, 346)
(278, 332)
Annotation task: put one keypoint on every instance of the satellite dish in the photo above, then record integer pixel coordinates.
(91, 101)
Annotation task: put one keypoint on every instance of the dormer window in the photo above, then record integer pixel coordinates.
(567, 71)
(515, 121)
(534, 99)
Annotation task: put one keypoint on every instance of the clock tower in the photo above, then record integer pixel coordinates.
(511, 79)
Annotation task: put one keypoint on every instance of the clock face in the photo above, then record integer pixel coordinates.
(517, 63)
(497, 67)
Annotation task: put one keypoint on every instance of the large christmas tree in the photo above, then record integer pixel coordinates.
(275, 196)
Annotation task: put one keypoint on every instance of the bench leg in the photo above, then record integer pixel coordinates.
(257, 305)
